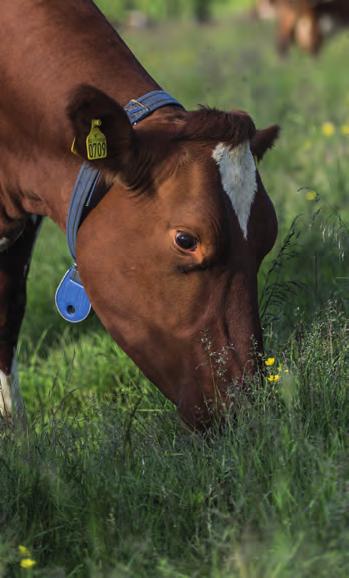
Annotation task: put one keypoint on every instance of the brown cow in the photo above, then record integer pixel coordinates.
(170, 253)
(264, 10)
(308, 22)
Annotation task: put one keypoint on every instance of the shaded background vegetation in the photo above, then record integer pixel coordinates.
(108, 482)
(201, 10)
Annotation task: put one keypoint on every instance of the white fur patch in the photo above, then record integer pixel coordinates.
(5, 395)
(238, 175)
(327, 25)
(11, 403)
(4, 244)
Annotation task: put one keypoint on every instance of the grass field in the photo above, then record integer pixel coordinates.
(159, 10)
(108, 482)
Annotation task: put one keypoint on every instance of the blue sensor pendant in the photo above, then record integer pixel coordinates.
(71, 299)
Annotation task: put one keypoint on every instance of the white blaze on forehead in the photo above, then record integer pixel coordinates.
(238, 175)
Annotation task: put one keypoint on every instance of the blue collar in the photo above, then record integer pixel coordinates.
(71, 299)
(140, 108)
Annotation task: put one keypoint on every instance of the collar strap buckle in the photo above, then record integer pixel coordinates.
(139, 108)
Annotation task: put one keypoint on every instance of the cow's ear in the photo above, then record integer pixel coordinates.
(113, 145)
(264, 140)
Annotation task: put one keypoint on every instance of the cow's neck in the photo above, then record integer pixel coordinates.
(61, 45)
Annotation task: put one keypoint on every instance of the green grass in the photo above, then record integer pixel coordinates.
(159, 10)
(108, 482)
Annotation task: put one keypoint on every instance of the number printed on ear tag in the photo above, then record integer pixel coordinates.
(71, 298)
(96, 142)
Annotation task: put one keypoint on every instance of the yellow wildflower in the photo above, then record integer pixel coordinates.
(281, 368)
(328, 129)
(345, 129)
(273, 378)
(27, 563)
(311, 195)
(23, 550)
(269, 361)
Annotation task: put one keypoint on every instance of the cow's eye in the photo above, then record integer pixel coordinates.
(186, 241)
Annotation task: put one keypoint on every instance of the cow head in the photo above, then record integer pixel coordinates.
(169, 256)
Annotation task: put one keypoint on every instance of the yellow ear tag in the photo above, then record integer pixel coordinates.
(73, 148)
(96, 142)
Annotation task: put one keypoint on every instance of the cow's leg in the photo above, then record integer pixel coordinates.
(286, 14)
(14, 266)
(308, 33)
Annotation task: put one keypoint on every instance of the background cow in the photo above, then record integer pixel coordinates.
(308, 22)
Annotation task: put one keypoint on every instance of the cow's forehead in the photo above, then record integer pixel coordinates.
(237, 170)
